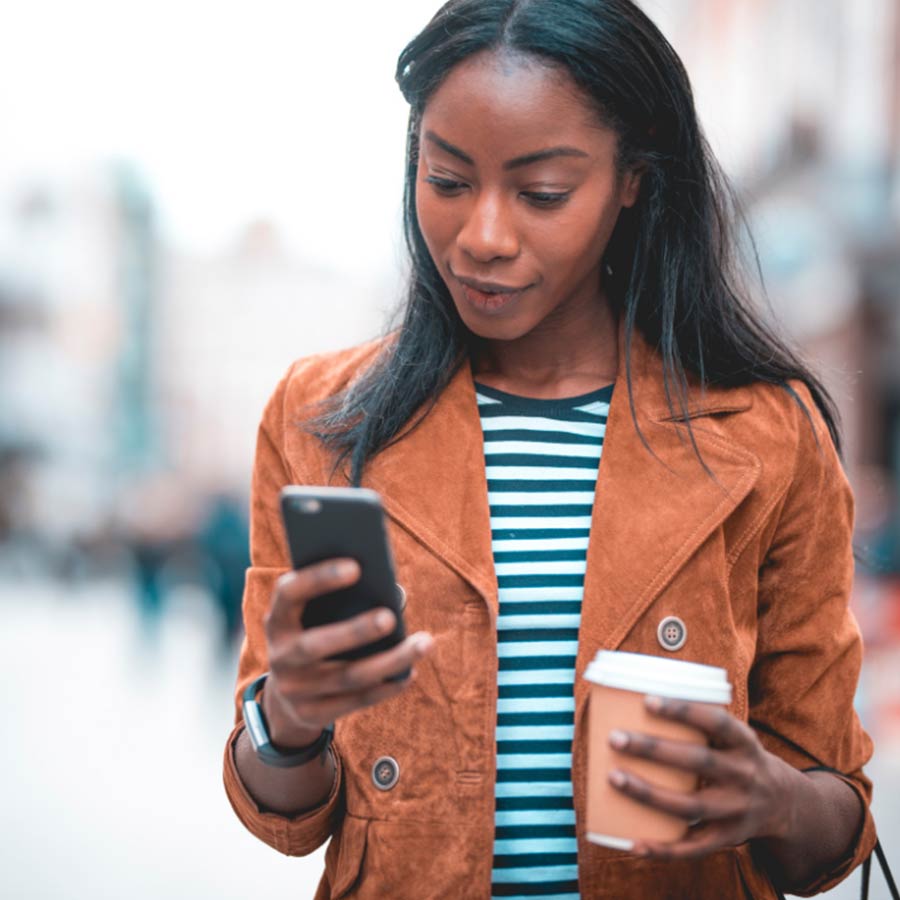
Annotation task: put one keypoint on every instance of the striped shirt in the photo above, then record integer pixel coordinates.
(541, 459)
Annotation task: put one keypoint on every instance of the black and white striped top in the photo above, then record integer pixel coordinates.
(542, 458)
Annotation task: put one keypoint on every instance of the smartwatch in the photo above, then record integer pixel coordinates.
(255, 722)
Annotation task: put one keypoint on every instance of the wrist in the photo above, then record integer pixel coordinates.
(793, 787)
(285, 736)
(816, 832)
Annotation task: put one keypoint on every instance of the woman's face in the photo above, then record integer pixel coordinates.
(517, 193)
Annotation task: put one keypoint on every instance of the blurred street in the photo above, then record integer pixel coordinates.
(111, 767)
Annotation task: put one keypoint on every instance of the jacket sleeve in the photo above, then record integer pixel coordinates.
(809, 648)
(269, 559)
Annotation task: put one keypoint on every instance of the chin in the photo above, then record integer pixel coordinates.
(496, 328)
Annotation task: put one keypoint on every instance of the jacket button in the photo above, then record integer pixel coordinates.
(672, 633)
(385, 773)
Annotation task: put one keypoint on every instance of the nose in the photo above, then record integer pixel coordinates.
(488, 233)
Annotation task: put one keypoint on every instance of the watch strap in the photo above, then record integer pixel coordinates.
(258, 731)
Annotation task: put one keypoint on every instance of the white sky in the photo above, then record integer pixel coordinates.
(232, 111)
(288, 110)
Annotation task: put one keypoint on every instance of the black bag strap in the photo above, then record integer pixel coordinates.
(885, 868)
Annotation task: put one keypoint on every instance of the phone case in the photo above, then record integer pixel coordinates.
(324, 523)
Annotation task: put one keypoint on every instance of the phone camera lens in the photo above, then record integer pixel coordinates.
(310, 506)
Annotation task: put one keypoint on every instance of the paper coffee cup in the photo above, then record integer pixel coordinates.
(619, 682)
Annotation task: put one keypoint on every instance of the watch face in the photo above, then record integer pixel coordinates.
(256, 728)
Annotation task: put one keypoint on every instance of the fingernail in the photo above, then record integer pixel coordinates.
(617, 777)
(618, 739)
(347, 568)
(384, 620)
(654, 704)
(423, 642)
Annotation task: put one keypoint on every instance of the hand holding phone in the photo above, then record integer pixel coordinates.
(320, 672)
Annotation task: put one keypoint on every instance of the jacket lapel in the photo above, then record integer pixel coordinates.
(433, 483)
(652, 510)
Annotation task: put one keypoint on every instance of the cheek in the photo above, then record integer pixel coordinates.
(589, 222)
(436, 225)
(574, 243)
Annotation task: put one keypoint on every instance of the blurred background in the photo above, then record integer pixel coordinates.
(194, 194)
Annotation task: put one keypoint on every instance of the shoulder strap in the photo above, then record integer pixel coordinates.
(885, 868)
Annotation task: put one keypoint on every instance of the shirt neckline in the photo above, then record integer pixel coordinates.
(544, 405)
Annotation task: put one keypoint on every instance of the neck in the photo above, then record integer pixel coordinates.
(564, 356)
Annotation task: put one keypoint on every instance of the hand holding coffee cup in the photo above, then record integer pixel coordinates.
(670, 772)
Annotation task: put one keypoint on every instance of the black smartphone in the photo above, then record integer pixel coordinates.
(324, 523)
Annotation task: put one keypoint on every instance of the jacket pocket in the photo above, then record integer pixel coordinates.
(380, 859)
(713, 877)
(350, 845)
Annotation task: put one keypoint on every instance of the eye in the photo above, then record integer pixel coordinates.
(445, 186)
(546, 200)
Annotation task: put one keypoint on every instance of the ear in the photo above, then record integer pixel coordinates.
(631, 185)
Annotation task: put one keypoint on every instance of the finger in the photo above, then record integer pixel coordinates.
(315, 644)
(722, 728)
(700, 759)
(699, 841)
(322, 711)
(295, 589)
(335, 677)
(389, 664)
(696, 806)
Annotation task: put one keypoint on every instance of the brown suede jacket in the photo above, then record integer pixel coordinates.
(758, 566)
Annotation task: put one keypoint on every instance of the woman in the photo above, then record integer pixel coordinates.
(576, 357)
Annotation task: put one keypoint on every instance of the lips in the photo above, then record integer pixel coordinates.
(488, 296)
(489, 287)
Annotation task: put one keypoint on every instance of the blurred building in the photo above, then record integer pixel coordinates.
(77, 296)
(133, 374)
(801, 102)
(231, 325)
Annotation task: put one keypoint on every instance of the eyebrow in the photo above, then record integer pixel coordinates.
(516, 163)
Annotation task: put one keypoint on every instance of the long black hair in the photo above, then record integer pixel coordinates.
(674, 261)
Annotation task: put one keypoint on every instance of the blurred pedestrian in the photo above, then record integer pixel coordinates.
(222, 540)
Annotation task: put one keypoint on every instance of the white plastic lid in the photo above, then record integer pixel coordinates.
(662, 677)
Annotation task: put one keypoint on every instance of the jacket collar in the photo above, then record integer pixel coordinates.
(653, 508)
